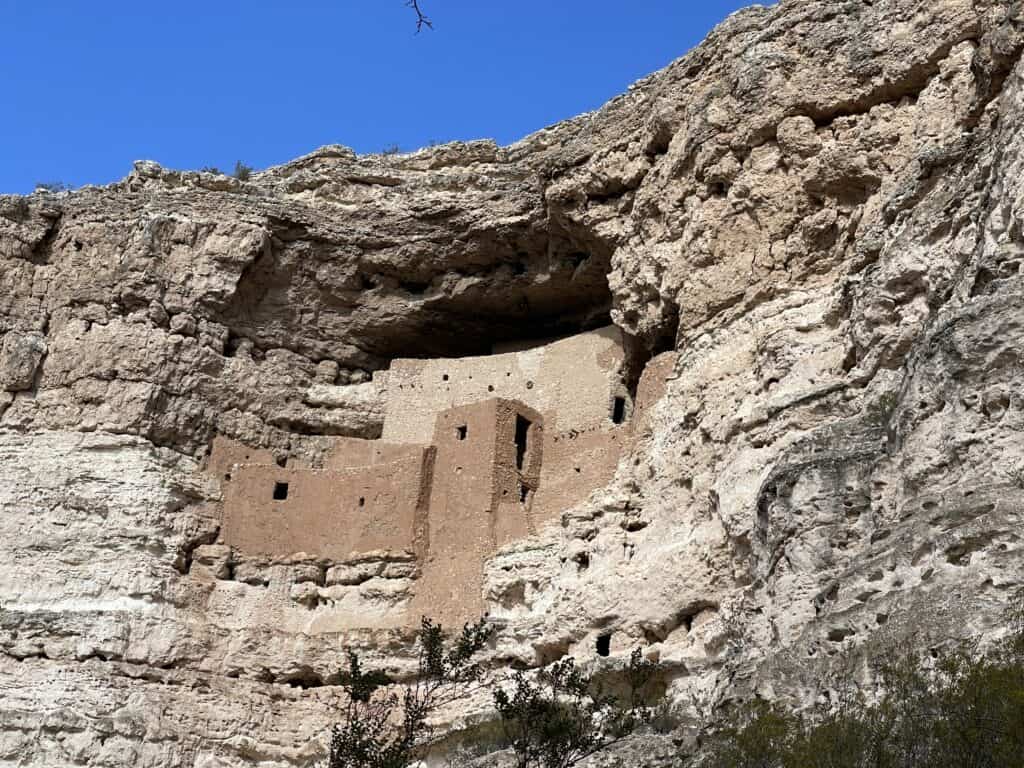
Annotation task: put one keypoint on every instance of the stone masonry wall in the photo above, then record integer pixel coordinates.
(571, 381)
(579, 461)
(576, 463)
(326, 513)
(473, 476)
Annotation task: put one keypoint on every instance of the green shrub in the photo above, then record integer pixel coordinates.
(385, 724)
(242, 171)
(565, 716)
(667, 717)
(759, 736)
(965, 711)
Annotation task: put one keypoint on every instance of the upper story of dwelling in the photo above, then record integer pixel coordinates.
(574, 382)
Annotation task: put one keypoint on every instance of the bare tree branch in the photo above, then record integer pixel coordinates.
(421, 19)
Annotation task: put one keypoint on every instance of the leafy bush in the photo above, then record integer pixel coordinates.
(385, 723)
(391, 149)
(965, 711)
(217, 171)
(242, 171)
(667, 717)
(565, 716)
(556, 721)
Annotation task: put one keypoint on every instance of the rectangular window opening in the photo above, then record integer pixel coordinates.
(619, 410)
(280, 491)
(522, 436)
(461, 433)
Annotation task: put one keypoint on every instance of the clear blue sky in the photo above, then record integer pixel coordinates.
(91, 85)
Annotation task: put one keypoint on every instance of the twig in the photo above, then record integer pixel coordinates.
(421, 19)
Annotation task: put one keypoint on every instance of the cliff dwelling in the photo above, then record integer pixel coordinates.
(475, 453)
(247, 425)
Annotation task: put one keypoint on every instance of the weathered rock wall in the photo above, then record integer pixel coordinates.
(819, 209)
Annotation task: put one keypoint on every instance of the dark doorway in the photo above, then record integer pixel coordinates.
(280, 491)
(619, 410)
(604, 645)
(522, 436)
(461, 433)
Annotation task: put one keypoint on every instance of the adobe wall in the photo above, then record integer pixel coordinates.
(459, 528)
(329, 514)
(651, 388)
(515, 488)
(473, 475)
(575, 465)
(347, 452)
(579, 461)
(571, 381)
(226, 453)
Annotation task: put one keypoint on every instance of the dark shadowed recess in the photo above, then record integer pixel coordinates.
(319, 301)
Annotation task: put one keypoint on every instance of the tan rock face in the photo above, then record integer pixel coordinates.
(20, 357)
(815, 217)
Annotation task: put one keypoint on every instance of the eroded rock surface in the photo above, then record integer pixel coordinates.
(816, 214)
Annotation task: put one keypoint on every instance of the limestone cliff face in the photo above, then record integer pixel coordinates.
(819, 210)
